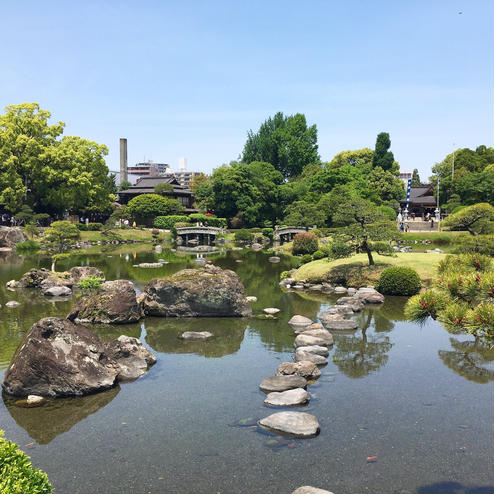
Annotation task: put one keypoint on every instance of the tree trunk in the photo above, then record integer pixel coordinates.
(369, 253)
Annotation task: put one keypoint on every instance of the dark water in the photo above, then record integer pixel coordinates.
(415, 396)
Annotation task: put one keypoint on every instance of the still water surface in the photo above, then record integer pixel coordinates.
(417, 397)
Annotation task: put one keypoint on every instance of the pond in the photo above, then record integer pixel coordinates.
(414, 396)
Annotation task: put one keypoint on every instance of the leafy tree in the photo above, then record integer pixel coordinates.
(61, 235)
(385, 185)
(382, 156)
(124, 185)
(365, 224)
(284, 141)
(163, 189)
(148, 206)
(475, 219)
(328, 178)
(45, 171)
(415, 178)
(197, 181)
(302, 213)
(360, 158)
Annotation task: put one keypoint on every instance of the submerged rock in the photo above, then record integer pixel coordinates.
(282, 383)
(271, 310)
(57, 358)
(292, 397)
(274, 259)
(196, 335)
(294, 424)
(58, 291)
(207, 292)
(299, 321)
(305, 369)
(307, 489)
(113, 303)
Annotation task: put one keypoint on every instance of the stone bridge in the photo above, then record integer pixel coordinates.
(197, 235)
(287, 233)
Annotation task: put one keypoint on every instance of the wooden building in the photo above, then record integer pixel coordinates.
(421, 202)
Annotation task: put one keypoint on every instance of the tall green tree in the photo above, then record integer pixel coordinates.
(415, 178)
(385, 185)
(474, 219)
(284, 141)
(359, 158)
(382, 156)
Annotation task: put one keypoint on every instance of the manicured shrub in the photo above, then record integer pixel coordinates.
(268, 232)
(423, 305)
(28, 245)
(383, 248)
(481, 244)
(340, 250)
(399, 281)
(388, 211)
(147, 206)
(243, 236)
(17, 474)
(305, 243)
(319, 254)
(168, 222)
(216, 222)
(306, 258)
(317, 232)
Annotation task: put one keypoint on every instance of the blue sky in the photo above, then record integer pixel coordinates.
(191, 78)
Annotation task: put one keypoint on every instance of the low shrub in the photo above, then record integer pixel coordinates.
(17, 474)
(399, 280)
(285, 274)
(168, 222)
(319, 254)
(28, 245)
(306, 258)
(388, 211)
(89, 283)
(423, 305)
(340, 250)
(90, 227)
(317, 232)
(481, 244)
(383, 248)
(305, 243)
(268, 232)
(243, 236)
(216, 222)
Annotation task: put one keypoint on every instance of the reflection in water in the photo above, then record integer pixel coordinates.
(469, 359)
(57, 416)
(162, 335)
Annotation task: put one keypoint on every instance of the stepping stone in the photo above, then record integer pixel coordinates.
(58, 291)
(307, 340)
(196, 335)
(340, 289)
(251, 299)
(294, 424)
(307, 489)
(339, 325)
(271, 311)
(320, 333)
(305, 369)
(292, 397)
(302, 356)
(300, 321)
(315, 349)
(282, 383)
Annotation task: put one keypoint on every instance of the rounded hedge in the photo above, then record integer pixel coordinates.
(305, 243)
(399, 281)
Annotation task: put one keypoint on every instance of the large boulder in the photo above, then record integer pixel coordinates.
(370, 295)
(293, 424)
(77, 273)
(207, 292)
(57, 358)
(113, 303)
(10, 237)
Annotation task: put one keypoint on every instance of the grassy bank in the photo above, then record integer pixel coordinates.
(356, 271)
(126, 234)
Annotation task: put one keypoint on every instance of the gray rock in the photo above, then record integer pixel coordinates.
(305, 369)
(351, 291)
(12, 303)
(282, 383)
(307, 340)
(327, 288)
(10, 237)
(274, 259)
(340, 289)
(251, 298)
(34, 400)
(307, 489)
(294, 424)
(300, 321)
(292, 397)
(315, 349)
(58, 291)
(301, 356)
(323, 334)
(152, 264)
(11, 284)
(340, 324)
(316, 288)
(370, 295)
(196, 335)
(256, 246)
(207, 292)
(271, 311)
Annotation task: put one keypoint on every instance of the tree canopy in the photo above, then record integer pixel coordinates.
(382, 156)
(147, 206)
(475, 219)
(46, 171)
(284, 141)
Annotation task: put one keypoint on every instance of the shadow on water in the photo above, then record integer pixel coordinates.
(45, 423)
(454, 488)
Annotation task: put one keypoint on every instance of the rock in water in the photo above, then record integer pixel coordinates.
(58, 291)
(77, 273)
(339, 324)
(298, 321)
(323, 334)
(315, 349)
(282, 383)
(251, 298)
(307, 340)
(305, 369)
(208, 292)
(294, 424)
(57, 358)
(12, 303)
(370, 295)
(11, 236)
(196, 335)
(292, 397)
(271, 310)
(113, 303)
(307, 489)
(302, 356)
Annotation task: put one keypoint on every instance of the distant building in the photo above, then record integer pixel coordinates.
(147, 169)
(183, 177)
(146, 185)
(405, 175)
(421, 202)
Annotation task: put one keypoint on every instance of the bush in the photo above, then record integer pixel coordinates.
(383, 248)
(319, 254)
(399, 281)
(90, 227)
(388, 211)
(28, 245)
(423, 305)
(317, 232)
(340, 250)
(306, 258)
(243, 236)
(285, 274)
(89, 283)
(482, 244)
(147, 206)
(17, 474)
(216, 222)
(168, 222)
(268, 232)
(305, 243)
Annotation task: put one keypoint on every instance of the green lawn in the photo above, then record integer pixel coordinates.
(424, 264)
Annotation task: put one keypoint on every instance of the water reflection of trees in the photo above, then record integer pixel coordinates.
(57, 416)
(469, 359)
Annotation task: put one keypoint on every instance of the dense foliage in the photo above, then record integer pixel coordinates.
(61, 235)
(148, 206)
(48, 172)
(17, 474)
(399, 281)
(476, 219)
(305, 243)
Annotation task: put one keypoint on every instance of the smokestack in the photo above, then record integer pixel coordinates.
(123, 160)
